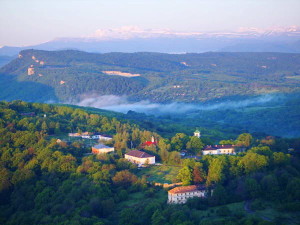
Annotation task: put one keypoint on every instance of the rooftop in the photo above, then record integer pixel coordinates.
(215, 147)
(149, 143)
(139, 154)
(103, 135)
(209, 148)
(99, 146)
(184, 189)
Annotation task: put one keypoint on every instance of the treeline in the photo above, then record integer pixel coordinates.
(45, 182)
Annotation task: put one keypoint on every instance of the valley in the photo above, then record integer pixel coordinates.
(221, 93)
(149, 112)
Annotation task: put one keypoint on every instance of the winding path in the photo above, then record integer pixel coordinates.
(250, 211)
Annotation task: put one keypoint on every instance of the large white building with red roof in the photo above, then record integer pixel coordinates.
(139, 157)
(180, 195)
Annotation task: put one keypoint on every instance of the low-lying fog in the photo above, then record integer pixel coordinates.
(121, 104)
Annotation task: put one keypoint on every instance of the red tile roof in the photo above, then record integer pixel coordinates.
(139, 154)
(184, 189)
(149, 143)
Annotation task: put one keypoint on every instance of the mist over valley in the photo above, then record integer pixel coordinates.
(254, 92)
(138, 112)
(268, 114)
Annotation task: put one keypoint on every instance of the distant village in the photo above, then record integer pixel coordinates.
(177, 195)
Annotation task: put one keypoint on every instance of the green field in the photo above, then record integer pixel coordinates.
(138, 198)
(159, 174)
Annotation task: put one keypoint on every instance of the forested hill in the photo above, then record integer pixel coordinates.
(71, 75)
(44, 180)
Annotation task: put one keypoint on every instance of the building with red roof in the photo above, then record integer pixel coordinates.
(149, 143)
(140, 157)
(180, 195)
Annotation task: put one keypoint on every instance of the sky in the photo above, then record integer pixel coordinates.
(29, 22)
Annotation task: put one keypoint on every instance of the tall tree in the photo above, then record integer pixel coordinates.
(252, 162)
(215, 171)
(179, 141)
(157, 218)
(194, 144)
(185, 176)
(244, 140)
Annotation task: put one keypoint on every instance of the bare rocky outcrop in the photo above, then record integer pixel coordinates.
(30, 70)
(119, 73)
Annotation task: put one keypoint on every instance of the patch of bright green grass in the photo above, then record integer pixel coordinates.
(159, 174)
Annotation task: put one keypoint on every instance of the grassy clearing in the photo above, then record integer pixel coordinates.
(139, 198)
(159, 174)
(133, 199)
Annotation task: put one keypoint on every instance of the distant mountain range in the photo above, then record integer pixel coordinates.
(72, 76)
(134, 39)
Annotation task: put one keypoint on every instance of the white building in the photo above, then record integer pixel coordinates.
(219, 150)
(85, 136)
(180, 195)
(100, 148)
(139, 157)
(101, 137)
(197, 133)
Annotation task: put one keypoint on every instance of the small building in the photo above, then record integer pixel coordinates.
(96, 136)
(74, 135)
(139, 157)
(100, 148)
(180, 195)
(197, 133)
(101, 137)
(85, 135)
(149, 143)
(219, 150)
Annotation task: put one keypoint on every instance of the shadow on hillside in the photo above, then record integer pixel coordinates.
(11, 89)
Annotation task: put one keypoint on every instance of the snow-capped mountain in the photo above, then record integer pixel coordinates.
(135, 39)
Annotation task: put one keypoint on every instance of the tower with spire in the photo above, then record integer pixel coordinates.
(197, 133)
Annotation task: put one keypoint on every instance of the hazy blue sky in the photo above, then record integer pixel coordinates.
(26, 22)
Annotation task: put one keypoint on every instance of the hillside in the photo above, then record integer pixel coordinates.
(5, 59)
(73, 75)
(46, 181)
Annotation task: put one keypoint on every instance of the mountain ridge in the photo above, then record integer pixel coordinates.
(73, 75)
(134, 39)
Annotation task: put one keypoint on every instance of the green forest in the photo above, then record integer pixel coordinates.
(67, 75)
(48, 182)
